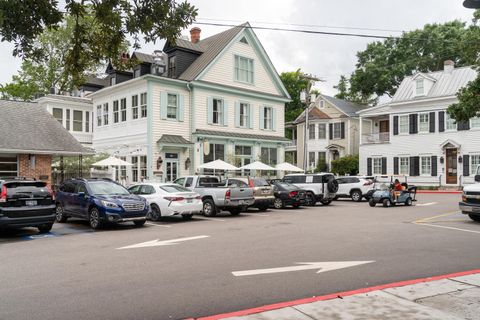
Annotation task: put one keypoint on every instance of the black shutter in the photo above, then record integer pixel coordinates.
(384, 165)
(395, 165)
(413, 121)
(434, 166)
(330, 131)
(343, 130)
(369, 166)
(431, 117)
(466, 165)
(463, 125)
(395, 125)
(414, 166)
(441, 121)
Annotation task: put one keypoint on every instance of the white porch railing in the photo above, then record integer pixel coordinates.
(382, 137)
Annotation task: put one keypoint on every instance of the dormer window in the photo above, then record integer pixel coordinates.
(113, 81)
(419, 87)
(322, 104)
(136, 73)
(172, 67)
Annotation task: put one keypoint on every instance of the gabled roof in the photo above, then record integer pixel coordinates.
(423, 75)
(172, 139)
(143, 57)
(29, 128)
(313, 114)
(348, 108)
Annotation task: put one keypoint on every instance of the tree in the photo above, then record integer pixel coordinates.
(294, 84)
(346, 165)
(23, 21)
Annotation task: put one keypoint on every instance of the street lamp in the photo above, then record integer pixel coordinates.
(471, 4)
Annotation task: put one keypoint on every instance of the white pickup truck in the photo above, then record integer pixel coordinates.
(217, 196)
(471, 198)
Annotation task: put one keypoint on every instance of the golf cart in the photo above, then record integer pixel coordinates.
(385, 196)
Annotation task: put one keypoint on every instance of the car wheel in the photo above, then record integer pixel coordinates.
(155, 214)
(45, 228)
(139, 223)
(408, 202)
(310, 199)
(187, 216)
(326, 202)
(209, 208)
(387, 203)
(356, 195)
(278, 203)
(372, 203)
(60, 213)
(94, 219)
(236, 211)
(474, 217)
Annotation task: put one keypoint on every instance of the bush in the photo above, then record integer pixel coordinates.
(321, 167)
(346, 165)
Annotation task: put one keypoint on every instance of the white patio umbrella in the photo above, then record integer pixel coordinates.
(111, 161)
(285, 166)
(257, 165)
(217, 165)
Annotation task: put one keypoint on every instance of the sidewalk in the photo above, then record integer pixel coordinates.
(448, 297)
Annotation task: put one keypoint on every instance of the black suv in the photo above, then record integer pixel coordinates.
(26, 203)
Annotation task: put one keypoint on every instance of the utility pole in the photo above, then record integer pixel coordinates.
(307, 99)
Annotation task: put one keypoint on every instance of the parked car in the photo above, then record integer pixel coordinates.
(262, 191)
(216, 195)
(99, 201)
(319, 187)
(355, 188)
(287, 194)
(26, 203)
(168, 199)
(470, 203)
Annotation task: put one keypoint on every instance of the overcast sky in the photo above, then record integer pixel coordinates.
(325, 56)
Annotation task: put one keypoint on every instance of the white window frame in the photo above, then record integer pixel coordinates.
(244, 114)
(377, 166)
(269, 155)
(105, 114)
(135, 114)
(324, 125)
(87, 121)
(76, 122)
(475, 123)
(450, 124)
(312, 164)
(474, 164)
(425, 168)
(404, 165)
(123, 109)
(171, 107)
(244, 69)
(403, 128)
(337, 134)
(13, 173)
(115, 110)
(61, 115)
(143, 105)
(218, 104)
(420, 89)
(322, 104)
(426, 124)
(99, 115)
(267, 118)
(312, 131)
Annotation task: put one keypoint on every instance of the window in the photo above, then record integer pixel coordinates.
(135, 169)
(243, 156)
(295, 179)
(404, 165)
(8, 165)
(475, 122)
(403, 124)
(337, 130)
(322, 104)
(172, 105)
(217, 151)
(217, 109)
(377, 166)
(105, 114)
(123, 109)
(172, 67)
(244, 40)
(419, 89)
(423, 122)
(135, 107)
(244, 114)
(243, 69)
(58, 114)
(267, 118)
(322, 159)
(113, 80)
(322, 131)
(475, 162)
(311, 159)
(67, 123)
(450, 124)
(99, 115)
(87, 121)
(311, 132)
(115, 112)
(143, 167)
(77, 120)
(269, 156)
(123, 170)
(425, 166)
(143, 105)
(136, 73)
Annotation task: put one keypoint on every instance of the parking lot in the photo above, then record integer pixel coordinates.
(175, 269)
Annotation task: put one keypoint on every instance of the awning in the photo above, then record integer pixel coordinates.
(217, 165)
(111, 161)
(288, 167)
(257, 165)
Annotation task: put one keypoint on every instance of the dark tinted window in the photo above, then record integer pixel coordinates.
(295, 179)
(35, 188)
(237, 183)
(189, 182)
(134, 189)
(286, 186)
(260, 182)
(107, 188)
(145, 189)
(317, 179)
(174, 188)
(208, 180)
(341, 180)
(68, 186)
(80, 187)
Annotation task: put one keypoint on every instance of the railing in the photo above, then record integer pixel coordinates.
(382, 137)
(292, 143)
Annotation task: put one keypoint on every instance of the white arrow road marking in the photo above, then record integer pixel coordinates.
(158, 243)
(322, 266)
(426, 204)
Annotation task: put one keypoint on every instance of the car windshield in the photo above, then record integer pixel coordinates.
(260, 182)
(174, 188)
(107, 188)
(287, 186)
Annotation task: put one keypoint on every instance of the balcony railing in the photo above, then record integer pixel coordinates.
(292, 143)
(382, 137)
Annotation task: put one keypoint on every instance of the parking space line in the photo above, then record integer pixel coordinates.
(210, 219)
(157, 225)
(445, 227)
(255, 214)
(426, 204)
(437, 216)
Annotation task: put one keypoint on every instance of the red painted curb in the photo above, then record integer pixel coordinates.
(438, 192)
(333, 296)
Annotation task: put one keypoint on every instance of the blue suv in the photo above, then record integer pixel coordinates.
(99, 201)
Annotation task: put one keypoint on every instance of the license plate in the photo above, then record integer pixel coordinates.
(189, 200)
(475, 209)
(265, 191)
(241, 202)
(31, 203)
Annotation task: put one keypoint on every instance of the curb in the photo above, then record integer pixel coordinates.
(333, 296)
(438, 192)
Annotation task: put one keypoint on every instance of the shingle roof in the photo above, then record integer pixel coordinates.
(28, 127)
(97, 82)
(347, 107)
(186, 44)
(173, 139)
(313, 114)
(143, 57)
(69, 98)
(240, 135)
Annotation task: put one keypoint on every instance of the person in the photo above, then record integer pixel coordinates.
(397, 189)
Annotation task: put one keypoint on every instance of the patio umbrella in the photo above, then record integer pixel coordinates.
(111, 161)
(257, 165)
(287, 167)
(217, 165)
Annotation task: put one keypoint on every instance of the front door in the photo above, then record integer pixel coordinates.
(451, 166)
(171, 166)
(384, 126)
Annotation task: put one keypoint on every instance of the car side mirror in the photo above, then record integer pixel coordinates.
(477, 178)
(81, 194)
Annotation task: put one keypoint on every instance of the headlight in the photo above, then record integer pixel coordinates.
(109, 204)
(464, 197)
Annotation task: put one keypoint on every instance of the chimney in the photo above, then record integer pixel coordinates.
(195, 34)
(448, 66)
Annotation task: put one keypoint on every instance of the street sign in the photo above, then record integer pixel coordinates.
(158, 243)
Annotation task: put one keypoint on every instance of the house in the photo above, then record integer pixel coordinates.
(30, 138)
(216, 98)
(333, 132)
(414, 137)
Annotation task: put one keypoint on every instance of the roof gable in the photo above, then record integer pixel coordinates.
(348, 108)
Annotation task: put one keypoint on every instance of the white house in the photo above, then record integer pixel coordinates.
(413, 135)
(219, 98)
(333, 132)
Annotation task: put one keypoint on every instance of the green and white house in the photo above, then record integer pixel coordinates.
(218, 98)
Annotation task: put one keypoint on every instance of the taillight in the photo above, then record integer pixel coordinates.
(293, 194)
(51, 192)
(228, 194)
(174, 198)
(3, 194)
(368, 183)
(250, 184)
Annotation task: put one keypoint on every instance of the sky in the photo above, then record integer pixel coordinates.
(325, 56)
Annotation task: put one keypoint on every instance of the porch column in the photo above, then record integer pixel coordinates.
(361, 131)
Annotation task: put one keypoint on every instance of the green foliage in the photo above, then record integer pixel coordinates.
(100, 28)
(468, 105)
(71, 164)
(346, 165)
(321, 166)
(294, 84)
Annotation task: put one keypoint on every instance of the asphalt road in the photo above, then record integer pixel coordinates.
(75, 273)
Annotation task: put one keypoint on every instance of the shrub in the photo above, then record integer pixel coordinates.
(345, 165)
